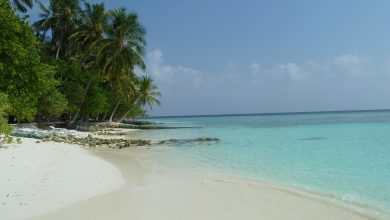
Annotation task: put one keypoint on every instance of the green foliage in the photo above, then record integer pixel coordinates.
(121, 51)
(52, 104)
(137, 111)
(5, 129)
(60, 18)
(147, 92)
(23, 76)
(91, 29)
(4, 105)
(82, 65)
(98, 100)
(73, 80)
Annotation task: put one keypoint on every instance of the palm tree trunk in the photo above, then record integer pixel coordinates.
(62, 36)
(104, 116)
(75, 116)
(58, 50)
(59, 46)
(125, 115)
(113, 112)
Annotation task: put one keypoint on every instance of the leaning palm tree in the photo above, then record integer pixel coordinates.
(91, 29)
(124, 86)
(146, 94)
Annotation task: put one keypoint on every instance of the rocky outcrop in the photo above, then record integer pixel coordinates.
(94, 127)
(94, 142)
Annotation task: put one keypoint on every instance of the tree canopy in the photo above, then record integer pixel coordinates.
(77, 62)
(24, 77)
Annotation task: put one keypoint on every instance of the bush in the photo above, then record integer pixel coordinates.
(5, 129)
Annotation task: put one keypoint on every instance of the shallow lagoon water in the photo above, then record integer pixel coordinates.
(342, 154)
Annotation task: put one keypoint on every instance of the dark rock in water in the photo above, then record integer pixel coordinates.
(189, 141)
(312, 138)
(207, 139)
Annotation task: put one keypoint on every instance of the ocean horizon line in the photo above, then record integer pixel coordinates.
(265, 113)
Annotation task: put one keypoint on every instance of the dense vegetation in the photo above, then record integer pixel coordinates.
(78, 62)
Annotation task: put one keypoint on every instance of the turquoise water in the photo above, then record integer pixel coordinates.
(343, 154)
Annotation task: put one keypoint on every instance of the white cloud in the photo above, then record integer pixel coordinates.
(349, 60)
(255, 68)
(294, 72)
(351, 64)
(292, 68)
(343, 66)
(155, 57)
(289, 72)
(167, 74)
(342, 82)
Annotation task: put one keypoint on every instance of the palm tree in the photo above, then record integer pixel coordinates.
(22, 5)
(121, 51)
(124, 45)
(44, 14)
(147, 94)
(91, 29)
(118, 52)
(61, 18)
(124, 86)
(94, 21)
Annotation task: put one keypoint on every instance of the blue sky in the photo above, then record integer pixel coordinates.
(220, 57)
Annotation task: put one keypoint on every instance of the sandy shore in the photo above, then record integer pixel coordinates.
(153, 191)
(37, 178)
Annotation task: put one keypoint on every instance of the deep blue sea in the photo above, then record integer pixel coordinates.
(341, 154)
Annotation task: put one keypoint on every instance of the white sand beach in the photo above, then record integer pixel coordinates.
(40, 177)
(59, 181)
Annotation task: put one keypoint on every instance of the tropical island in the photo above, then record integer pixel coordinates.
(76, 142)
